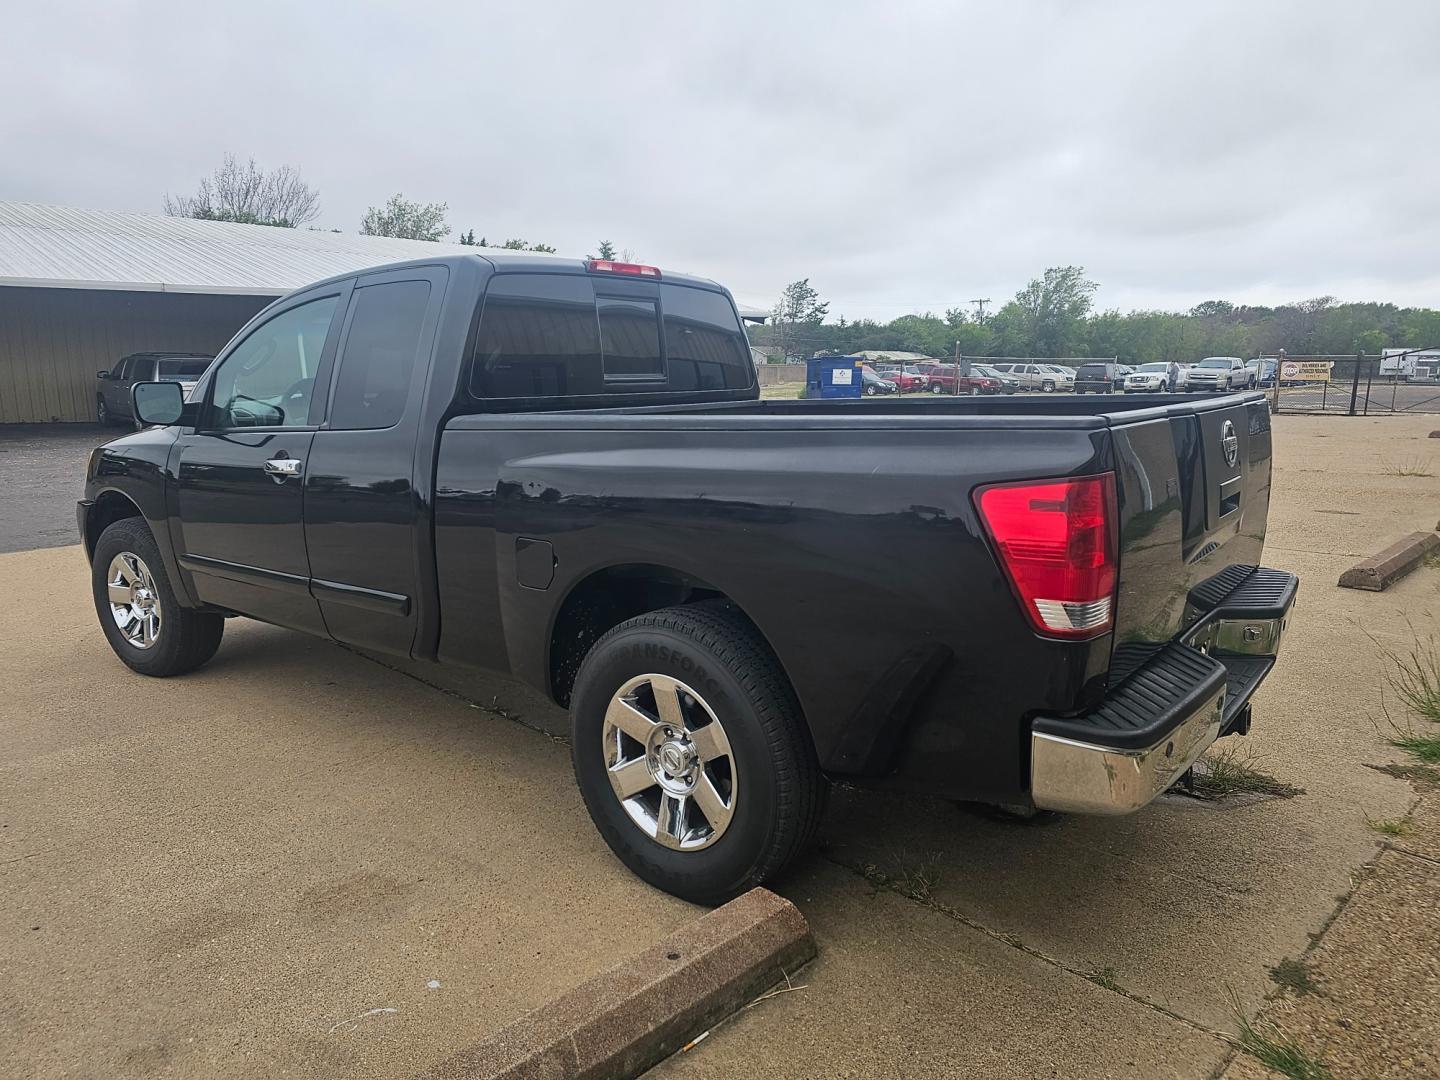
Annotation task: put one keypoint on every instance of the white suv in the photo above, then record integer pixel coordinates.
(1218, 373)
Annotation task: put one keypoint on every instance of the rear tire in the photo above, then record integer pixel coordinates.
(755, 790)
(158, 636)
(102, 413)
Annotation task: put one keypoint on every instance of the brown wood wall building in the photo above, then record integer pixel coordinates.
(53, 341)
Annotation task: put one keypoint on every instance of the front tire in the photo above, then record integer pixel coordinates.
(691, 753)
(139, 613)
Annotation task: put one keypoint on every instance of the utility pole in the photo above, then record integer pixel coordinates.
(980, 307)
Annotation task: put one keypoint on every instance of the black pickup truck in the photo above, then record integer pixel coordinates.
(562, 470)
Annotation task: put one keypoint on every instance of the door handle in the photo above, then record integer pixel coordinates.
(283, 467)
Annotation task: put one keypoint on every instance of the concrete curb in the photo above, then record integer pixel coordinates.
(622, 1022)
(1379, 571)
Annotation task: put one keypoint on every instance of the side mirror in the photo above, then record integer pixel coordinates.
(102, 374)
(157, 402)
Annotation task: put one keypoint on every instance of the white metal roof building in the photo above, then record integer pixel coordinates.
(64, 248)
(81, 288)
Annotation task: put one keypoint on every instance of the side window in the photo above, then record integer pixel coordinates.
(539, 337)
(123, 369)
(705, 349)
(269, 378)
(378, 357)
(630, 338)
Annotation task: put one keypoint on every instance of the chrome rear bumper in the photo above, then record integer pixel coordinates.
(1081, 776)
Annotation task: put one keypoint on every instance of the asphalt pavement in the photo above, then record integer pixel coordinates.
(43, 470)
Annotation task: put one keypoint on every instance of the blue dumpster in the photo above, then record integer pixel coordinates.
(833, 376)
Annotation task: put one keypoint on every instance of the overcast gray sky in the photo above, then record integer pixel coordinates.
(903, 156)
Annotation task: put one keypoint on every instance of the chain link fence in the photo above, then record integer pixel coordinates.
(1361, 385)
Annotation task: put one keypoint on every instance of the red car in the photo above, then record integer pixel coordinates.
(903, 380)
(943, 380)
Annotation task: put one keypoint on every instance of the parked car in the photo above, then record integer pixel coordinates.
(873, 383)
(498, 465)
(1099, 378)
(1148, 379)
(1224, 373)
(112, 387)
(905, 380)
(944, 380)
(1036, 376)
(1262, 371)
(1007, 384)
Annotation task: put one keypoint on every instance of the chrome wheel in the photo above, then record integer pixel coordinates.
(669, 762)
(134, 599)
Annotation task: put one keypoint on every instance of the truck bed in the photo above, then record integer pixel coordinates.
(847, 532)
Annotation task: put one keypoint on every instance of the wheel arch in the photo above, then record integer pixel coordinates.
(110, 506)
(608, 596)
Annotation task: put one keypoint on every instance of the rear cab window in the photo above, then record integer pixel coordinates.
(578, 336)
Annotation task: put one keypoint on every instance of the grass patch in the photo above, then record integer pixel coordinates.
(1233, 772)
(1414, 676)
(1411, 467)
(1294, 975)
(1424, 748)
(917, 879)
(1104, 977)
(1265, 1042)
(1389, 827)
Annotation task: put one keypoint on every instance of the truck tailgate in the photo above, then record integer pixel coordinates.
(1194, 490)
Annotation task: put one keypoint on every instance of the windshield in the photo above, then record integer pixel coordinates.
(182, 369)
(1213, 364)
(988, 372)
(1152, 367)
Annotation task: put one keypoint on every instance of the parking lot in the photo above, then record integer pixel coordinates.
(299, 861)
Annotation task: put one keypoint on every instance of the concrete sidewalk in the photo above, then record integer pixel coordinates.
(260, 869)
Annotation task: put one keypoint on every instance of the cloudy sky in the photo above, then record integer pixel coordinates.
(903, 156)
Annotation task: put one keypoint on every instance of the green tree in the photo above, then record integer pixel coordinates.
(607, 251)
(1048, 311)
(249, 195)
(468, 239)
(407, 220)
(797, 318)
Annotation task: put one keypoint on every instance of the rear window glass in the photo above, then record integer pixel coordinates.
(1095, 371)
(550, 335)
(630, 338)
(539, 337)
(704, 346)
(182, 369)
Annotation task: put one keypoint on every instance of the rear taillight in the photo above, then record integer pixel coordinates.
(1057, 542)
(610, 266)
